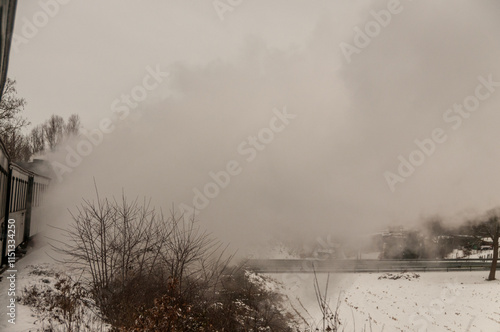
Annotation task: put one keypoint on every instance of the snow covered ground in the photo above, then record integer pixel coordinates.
(39, 269)
(435, 301)
(24, 320)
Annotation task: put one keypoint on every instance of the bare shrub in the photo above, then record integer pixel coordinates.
(128, 254)
(241, 303)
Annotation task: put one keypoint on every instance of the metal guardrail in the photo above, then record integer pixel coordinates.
(368, 266)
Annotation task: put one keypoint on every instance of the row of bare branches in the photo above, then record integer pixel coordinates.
(128, 252)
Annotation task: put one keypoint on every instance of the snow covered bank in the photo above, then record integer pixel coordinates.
(45, 280)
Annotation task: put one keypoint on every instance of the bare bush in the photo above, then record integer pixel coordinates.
(241, 304)
(60, 303)
(128, 254)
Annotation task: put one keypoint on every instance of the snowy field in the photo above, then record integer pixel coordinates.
(435, 301)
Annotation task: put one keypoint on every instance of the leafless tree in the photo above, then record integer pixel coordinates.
(21, 146)
(37, 139)
(22, 150)
(489, 226)
(53, 130)
(73, 125)
(10, 108)
(11, 120)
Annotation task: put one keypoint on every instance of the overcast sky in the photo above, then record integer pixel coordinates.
(352, 114)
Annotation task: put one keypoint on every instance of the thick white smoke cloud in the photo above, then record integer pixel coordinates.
(324, 172)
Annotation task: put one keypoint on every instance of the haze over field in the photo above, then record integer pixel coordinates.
(318, 171)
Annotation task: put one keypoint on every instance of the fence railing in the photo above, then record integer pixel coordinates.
(346, 266)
